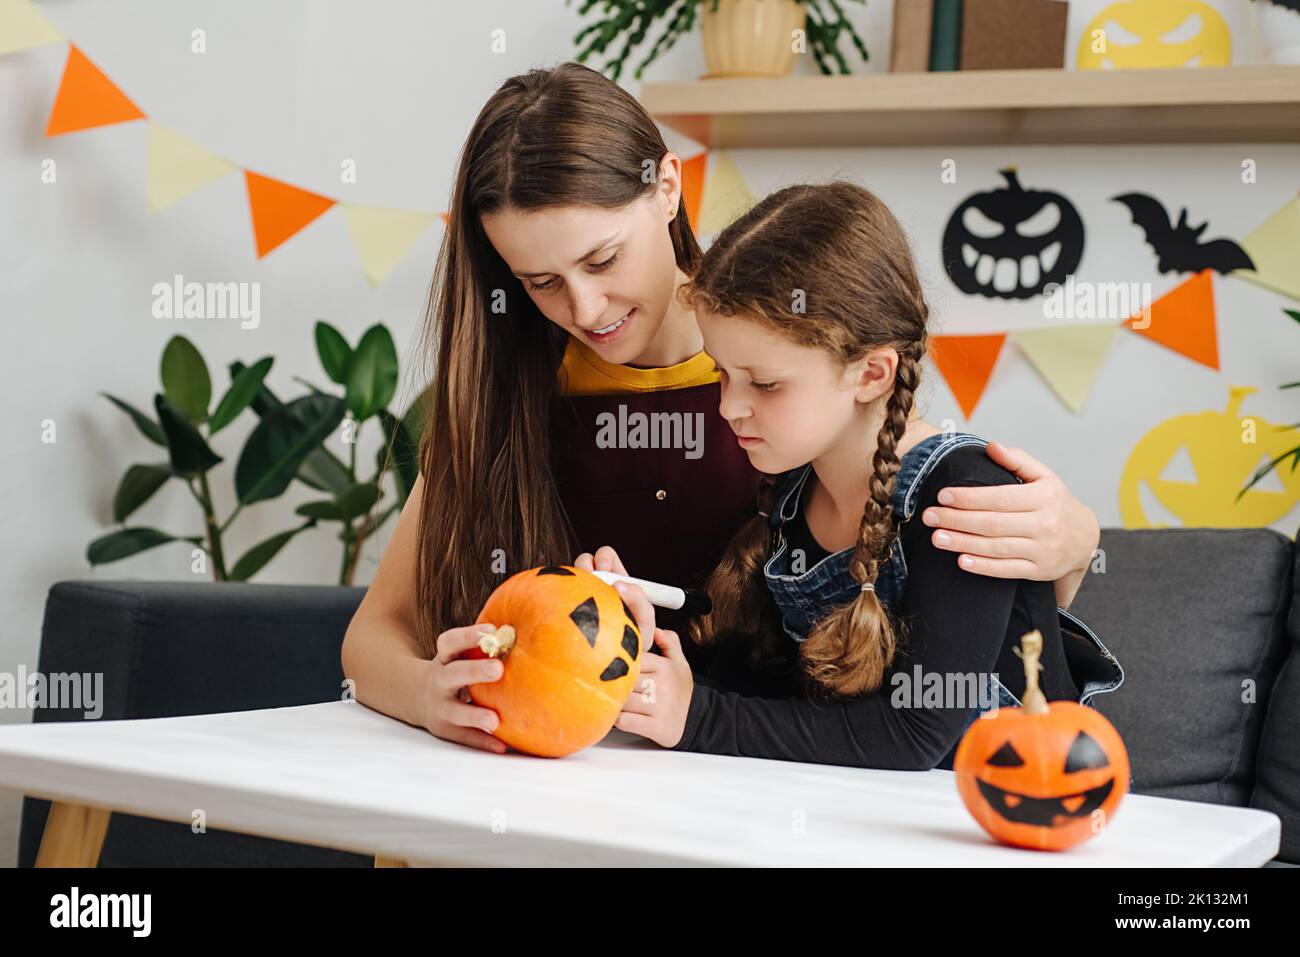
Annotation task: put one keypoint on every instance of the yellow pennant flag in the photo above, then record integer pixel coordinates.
(1068, 358)
(726, 196)
(22, 27)
(179, 166)
(1274, 245)
(383, 236)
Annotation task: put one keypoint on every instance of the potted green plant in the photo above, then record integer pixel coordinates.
(286, 445)
(741, 37)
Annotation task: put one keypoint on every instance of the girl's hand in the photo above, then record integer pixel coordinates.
(451, 714)
(607, 560)
(1037, 531)
(658, 705)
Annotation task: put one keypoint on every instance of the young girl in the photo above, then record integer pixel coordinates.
(836, 595)
(553, 305)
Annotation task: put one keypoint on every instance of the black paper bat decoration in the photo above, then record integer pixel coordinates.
(1179, 248)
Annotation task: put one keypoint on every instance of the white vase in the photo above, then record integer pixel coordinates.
(1278, 29)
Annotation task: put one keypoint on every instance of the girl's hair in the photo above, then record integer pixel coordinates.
(547, 138)
(826, 266)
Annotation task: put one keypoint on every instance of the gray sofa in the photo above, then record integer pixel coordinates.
(1202, 621)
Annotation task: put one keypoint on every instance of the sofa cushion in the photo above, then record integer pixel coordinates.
(1197, 619)
(1277, 777)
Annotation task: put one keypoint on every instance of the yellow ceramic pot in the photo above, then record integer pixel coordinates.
(750, 37)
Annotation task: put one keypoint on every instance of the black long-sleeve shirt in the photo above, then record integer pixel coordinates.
(955, 621)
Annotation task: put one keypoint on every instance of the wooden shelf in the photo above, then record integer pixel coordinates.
(1209, 105)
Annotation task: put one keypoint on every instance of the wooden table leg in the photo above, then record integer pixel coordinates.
(382, 861)
(74, 836)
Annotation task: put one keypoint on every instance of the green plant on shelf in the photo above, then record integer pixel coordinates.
(632, 21)
(286, 444)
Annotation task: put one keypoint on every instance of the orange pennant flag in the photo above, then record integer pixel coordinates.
(1183, 320)
(280, 210)
(693, 187)
(87, 99)
(966, 363)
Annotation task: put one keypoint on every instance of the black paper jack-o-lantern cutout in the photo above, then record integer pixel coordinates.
(1012, 242)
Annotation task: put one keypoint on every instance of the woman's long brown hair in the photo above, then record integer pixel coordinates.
(547, 138)
(826, 266)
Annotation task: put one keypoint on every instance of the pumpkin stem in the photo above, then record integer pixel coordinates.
(497, 644)
(1030, 650)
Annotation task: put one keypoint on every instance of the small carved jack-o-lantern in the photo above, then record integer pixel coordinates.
(1041, 776)
(571, 656)
(1012, 242)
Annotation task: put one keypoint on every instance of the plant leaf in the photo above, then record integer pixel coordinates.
(281, 442)
(372, 373)
(136, 487)
(333, 350)
(405, 453)
(142, 422)
(356, 499)
(129, 541)
(325, 511)
(251, 562)
(185, 379)
(190, 454)
(241, 392)
(1293, 314)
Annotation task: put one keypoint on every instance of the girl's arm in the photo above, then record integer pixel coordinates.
(1036, 530)
(958, 626)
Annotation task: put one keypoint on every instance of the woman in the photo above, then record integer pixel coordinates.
(553, 313)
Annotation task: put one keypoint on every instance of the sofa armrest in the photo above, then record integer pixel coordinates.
(167, 649)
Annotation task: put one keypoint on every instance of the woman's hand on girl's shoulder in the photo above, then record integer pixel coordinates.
(1036, 530)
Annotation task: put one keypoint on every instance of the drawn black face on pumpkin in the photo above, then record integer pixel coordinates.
(1085, 754)
(1011, 243)
(587, 617)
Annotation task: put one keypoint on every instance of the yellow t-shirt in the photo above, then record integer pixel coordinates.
(589, 374)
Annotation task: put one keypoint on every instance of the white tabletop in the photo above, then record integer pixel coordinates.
(342, 775)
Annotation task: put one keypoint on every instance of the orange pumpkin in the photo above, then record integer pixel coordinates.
(1041, 776)
(571, 657)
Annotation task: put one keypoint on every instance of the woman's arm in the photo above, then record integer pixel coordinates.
(1036, 530)
(384, 661)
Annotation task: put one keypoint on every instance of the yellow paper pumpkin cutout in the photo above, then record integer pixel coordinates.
(1222, 462)
(1141, 34)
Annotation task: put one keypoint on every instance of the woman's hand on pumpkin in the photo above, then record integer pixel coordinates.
(451, 714)
(658, 705)
(1037, 530)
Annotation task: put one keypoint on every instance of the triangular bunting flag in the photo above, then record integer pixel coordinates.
(693, 171)
(87, 99)
(966, 363)
(22, 27)
(1068, 358)
(726, 196)
(382, 236)
(1183, 320)
(1274, 245)
(280, 210)
(179, 166)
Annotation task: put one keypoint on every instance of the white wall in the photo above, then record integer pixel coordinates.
(292, 89)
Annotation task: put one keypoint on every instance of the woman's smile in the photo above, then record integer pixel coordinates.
(609, 332)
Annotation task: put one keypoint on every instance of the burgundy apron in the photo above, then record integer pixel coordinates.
(668, 516)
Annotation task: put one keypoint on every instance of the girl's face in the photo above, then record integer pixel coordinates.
(605, 275)
(789, 404)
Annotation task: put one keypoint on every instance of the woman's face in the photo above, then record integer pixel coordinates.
(605, 275)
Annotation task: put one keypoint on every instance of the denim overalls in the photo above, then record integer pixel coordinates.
(805, 598)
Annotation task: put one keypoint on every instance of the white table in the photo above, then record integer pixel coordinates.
(342, 775)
